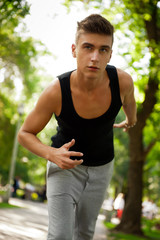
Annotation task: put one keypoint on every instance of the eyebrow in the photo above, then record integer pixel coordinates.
(91, 45)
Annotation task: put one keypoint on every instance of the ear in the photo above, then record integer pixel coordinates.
(74, 50)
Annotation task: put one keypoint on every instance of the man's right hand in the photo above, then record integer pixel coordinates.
(61, 156)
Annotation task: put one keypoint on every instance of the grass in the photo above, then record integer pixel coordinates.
(149, 229)
(7, 205)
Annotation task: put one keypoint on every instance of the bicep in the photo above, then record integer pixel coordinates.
(127, 88)
(36, 121)
(48, 104)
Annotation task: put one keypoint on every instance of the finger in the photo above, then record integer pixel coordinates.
(75, 154)
(69, 144)
(72, 163)
(77, 162)
(125, 130)
(116, 125)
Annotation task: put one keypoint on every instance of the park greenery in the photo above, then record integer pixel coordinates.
(137, 166)
(150, 228)
(18, 68)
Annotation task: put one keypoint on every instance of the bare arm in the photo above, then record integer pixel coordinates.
(48, 104)
(128, 101)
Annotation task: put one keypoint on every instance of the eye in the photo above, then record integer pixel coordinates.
(103, 50)
(88, 47)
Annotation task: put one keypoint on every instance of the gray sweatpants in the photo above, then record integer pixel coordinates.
(75, 197)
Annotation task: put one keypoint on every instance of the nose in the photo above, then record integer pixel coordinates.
(95, 56)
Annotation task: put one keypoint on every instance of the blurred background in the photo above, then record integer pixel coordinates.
(35, 46)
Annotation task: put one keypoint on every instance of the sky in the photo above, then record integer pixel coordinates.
(50, 23)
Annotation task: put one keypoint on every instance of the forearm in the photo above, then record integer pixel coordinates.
(33, 144)
(130, 111)
(60, 156)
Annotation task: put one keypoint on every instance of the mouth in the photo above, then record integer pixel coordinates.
(93, 68)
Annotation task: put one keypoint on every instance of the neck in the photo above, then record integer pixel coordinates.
(87, 84)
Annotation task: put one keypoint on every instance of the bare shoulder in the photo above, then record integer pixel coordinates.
(50, 98)
(125, 81)
(53, 90)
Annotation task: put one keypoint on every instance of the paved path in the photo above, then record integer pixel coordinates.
(30, 222)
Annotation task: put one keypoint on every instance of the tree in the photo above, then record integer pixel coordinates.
(139, 21)
(144, 18)
(10, 14)
(119, 179)
(18, 69)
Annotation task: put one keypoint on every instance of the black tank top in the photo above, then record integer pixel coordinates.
(93, 137)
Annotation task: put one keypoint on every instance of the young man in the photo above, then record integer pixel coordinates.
(85, 103)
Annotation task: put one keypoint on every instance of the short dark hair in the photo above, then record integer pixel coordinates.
(94, 23)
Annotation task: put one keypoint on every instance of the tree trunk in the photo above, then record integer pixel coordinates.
(131, 219)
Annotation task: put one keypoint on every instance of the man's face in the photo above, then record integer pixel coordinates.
(93, 52)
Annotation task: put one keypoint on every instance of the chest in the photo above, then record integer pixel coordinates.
(91, 104)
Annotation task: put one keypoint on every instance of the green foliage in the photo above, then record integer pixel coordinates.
(149, 228)
(13, 9)
(19, 61)
(143, 49)
(18, 54)
(7, 131)
(142, 53)
(7, 205)
(152, 173)
(18, 68)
